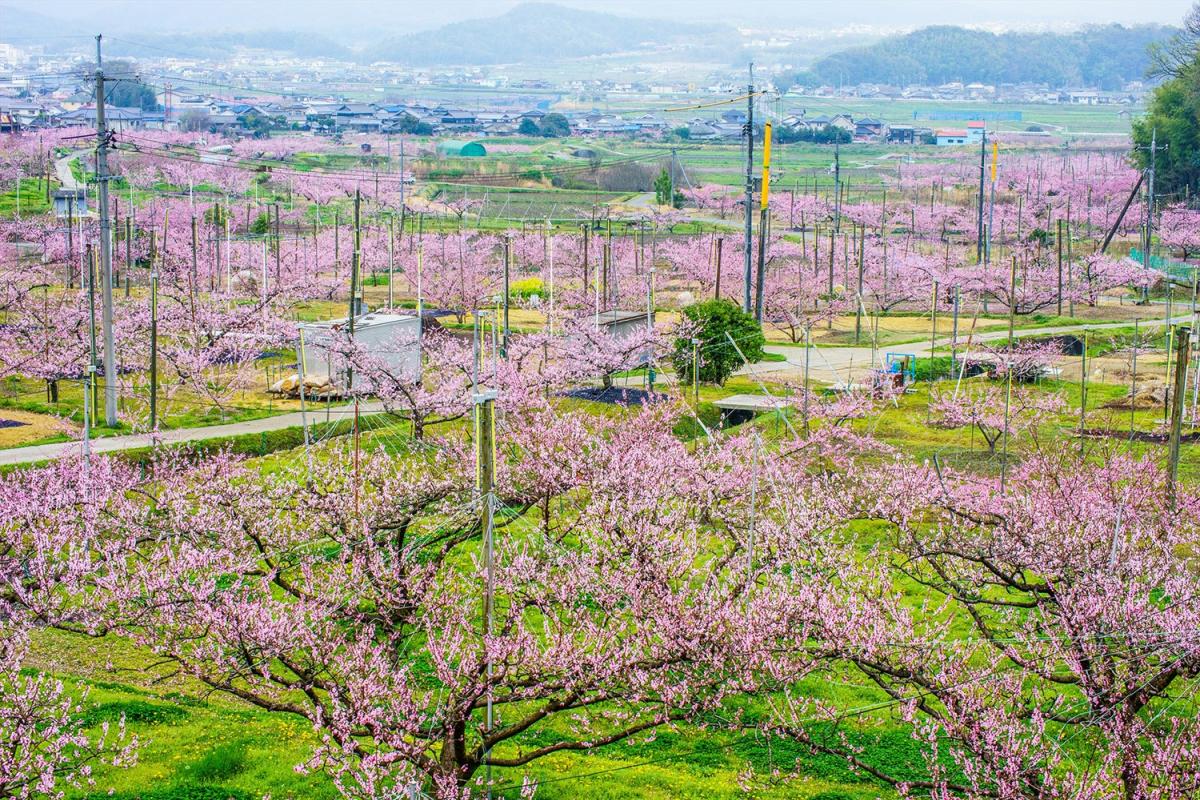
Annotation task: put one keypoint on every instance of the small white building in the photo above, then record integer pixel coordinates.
(623, 324)
(394, 339)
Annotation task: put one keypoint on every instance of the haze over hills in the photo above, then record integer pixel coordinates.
(539, 32)
(545, 34)
(219, 45)
(23, 27)
(1102, 56)
(19, 24)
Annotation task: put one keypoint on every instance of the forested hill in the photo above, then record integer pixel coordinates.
(536, 33)
(1100, 56)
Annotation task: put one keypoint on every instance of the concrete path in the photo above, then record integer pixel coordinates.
(110, 444)
(838, 364)
(62, 168)
(827, 364)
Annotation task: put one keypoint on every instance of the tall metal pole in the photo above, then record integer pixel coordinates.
(763, 222)
(485, 455)
(987, 252)
(507, 264)
(153, 348)
(979, 211)
(749, 231)
(1149, 209)
(354, 266)
(837, 185)
(110, 356)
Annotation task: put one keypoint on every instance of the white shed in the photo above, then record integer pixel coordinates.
(620, 324)
(392, 338)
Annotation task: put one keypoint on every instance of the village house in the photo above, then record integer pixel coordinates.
(950, 137)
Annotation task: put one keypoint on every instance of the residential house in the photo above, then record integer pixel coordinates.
(949, 137)
(868, 128)
(117, 119)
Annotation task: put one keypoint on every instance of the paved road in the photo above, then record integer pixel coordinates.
(827, 364)
(62, 168)
(838, 364)
(109, 444)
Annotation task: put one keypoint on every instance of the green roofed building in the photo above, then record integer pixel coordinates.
(451, 148)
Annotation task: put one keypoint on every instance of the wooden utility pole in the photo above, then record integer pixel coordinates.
(1183, 341)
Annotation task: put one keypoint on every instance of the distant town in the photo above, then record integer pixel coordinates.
(256, 93)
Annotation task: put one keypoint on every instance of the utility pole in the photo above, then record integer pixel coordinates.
(979, 210)
(354, 277)
(71, 241)
(153, 346)
(507, 262)
(1059, 241)
(110, 357)
(764, 208)
(1149, 208)
(1183, 341)
(837, 185)
(749, 233)
(987, 252)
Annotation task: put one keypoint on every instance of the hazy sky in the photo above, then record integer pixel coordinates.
(366, 19)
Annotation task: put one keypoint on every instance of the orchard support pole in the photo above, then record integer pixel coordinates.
(1183, 341)
(485, 470)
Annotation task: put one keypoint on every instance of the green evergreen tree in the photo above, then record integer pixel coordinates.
(713, 319)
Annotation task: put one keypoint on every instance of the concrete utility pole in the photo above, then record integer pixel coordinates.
(110, 357)
(354, 262)
(837, 185)
(763, 222)
(507, 265)
(1149, 207)
(354, 257)
(979, 209)
(747, 276)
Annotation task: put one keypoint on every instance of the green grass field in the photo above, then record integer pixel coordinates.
(200, 745)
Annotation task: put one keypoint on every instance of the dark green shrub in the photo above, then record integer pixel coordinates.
(716, 321)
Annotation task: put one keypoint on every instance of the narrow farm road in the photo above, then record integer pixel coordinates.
(839, 364)
(62, 169)
(827, 364)
(110, 444)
